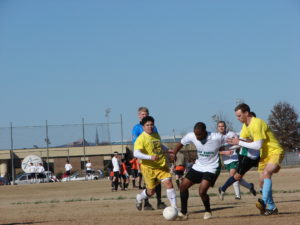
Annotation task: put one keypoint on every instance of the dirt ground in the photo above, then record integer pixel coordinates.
(92, 202)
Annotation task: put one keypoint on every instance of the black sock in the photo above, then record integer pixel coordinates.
(184, 196)
(206, 203)
(158, 193)
(133, 183)
(228, 183)
(178, 184)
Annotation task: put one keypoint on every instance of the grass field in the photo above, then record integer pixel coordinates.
(92, 202)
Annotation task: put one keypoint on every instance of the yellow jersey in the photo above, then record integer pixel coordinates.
(150, 144)
(259, 130)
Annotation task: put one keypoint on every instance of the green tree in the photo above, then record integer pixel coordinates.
(283, 122)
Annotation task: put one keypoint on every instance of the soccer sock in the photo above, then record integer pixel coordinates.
(143, 195)
(184, 196)
(133, 183)
(245, 184)
(116, 184)
(171, 194)
(236, 187)
(178, 184)
(229, 182)
(267, 194)
(206, 203)
(158, 193)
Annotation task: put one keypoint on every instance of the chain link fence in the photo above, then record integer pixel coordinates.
(64, 135)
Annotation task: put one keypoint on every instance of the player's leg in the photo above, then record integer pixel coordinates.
(204, 186)
(151, 183)
(267, 166)
(160, 203)
(236, 185)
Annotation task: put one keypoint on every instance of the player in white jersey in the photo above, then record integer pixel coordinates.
(206, 168)
(231, 160)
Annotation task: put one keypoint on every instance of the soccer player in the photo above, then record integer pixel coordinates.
(68, 168)
(231, 161)
(124, 175)
(206, 168)
(88, 167)
(271, 153)
(116, 171)
(136, 131)
(154, 167)
(179, 168)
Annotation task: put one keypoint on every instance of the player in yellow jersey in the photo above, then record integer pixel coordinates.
(154, 165)
(271, 153)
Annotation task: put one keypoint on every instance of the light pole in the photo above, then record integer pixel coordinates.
(107, 112)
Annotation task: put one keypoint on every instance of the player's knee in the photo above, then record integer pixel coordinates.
(237, 176)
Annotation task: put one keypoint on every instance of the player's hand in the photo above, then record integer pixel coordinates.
(232, 141)
(171, 155)
(154, 157)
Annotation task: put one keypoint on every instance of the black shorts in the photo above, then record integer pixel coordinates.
(123, 176)
(134, 173)
(117, 174)
(68, 173)
(197, 177)
(179, 172)
(32, 175)
(245, 164)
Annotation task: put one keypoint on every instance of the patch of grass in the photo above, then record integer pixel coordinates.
(94, 199)
(75, 200)
(40, 202)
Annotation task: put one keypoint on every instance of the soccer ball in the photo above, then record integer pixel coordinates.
(170, 213)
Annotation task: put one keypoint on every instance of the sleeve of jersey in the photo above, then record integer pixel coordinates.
(138, 145)
(259, 130)
(186, 139)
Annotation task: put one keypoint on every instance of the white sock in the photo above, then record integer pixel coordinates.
(142, 196)
(245, 184)
(236, 187)
(171, 194)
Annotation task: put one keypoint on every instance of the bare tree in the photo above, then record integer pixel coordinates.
(283, 122)
(221, 117)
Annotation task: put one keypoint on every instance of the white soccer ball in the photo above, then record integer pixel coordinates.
(170, 213)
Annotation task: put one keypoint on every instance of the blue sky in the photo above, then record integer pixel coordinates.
(185, 60)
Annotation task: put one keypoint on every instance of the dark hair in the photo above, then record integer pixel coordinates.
(200, 126)
(116, 153)
(243, 107)
(146, 119)
(221, 121)
(253, 114)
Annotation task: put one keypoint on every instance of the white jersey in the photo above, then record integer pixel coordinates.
(207, 153)
(32, 169)
(229, 158)
(116, 165)
(40, 169)
(68, 167)
(88, 166)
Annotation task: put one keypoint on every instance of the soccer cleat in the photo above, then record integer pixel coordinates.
(252, 190)
(161, 205)
(138, 204)
(261, 206)
(270, 212)
(148, 206)
(238, 197)
(207, 215)
(221, 194)
(182, 216)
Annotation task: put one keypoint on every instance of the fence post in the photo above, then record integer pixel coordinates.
(83, 143)
(12, 154)
(47, 145)
(122, 133)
